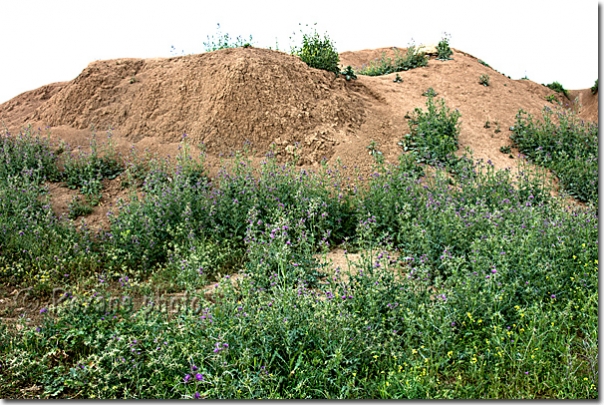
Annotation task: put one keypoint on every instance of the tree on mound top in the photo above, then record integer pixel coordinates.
(318, 52)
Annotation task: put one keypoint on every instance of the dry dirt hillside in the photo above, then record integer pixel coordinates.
(231, 97)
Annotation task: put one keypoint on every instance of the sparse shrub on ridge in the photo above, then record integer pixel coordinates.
(318, 52)
(594, 88)
(224, 41)
(443, 49)
(558, 88)
(411, 60)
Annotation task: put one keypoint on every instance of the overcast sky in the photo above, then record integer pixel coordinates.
(45, 41)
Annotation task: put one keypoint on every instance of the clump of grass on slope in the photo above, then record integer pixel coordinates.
(85, 171)
(564, 144)
(411, 60)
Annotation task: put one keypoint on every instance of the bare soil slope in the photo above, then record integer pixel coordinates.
(231, 97)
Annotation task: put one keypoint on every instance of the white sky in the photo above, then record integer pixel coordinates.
(45, 41)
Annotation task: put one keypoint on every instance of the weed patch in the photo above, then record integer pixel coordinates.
(564, 144)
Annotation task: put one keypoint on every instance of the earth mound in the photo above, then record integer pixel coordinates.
(230, 97)
(222, 99)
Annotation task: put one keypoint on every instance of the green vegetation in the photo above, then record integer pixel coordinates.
(476, 285)
(443, 49)
(433, 135)
(85, 171)
(397, 79)
(564, 144)
(558, 88)
(348, 74)
(460, 280)
(594, 88)
(430, 93)
(483, 63)
(78, 207)
(411, 60)
(551, 98)
(224, 41)
(484, 80)
(318, 52)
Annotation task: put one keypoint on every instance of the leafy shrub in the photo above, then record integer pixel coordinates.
(433, 134)
(558, 88)
(568, 148)
(318, 52)
(483, 63)
(484, 79)
(348, 74)
(443, 49)
(224, 41)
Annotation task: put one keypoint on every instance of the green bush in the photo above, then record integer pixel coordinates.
(594, 88)
(433, 134)
(348, 74)
(564, 144)
(558, 88)
(443, 49)
(484, 80)
(318, 52)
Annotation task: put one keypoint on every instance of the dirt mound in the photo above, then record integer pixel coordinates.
(222, 98)
(17, 111)
(588, 104)
(359, 59)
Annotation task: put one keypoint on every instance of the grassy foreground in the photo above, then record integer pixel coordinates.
(472, 285)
